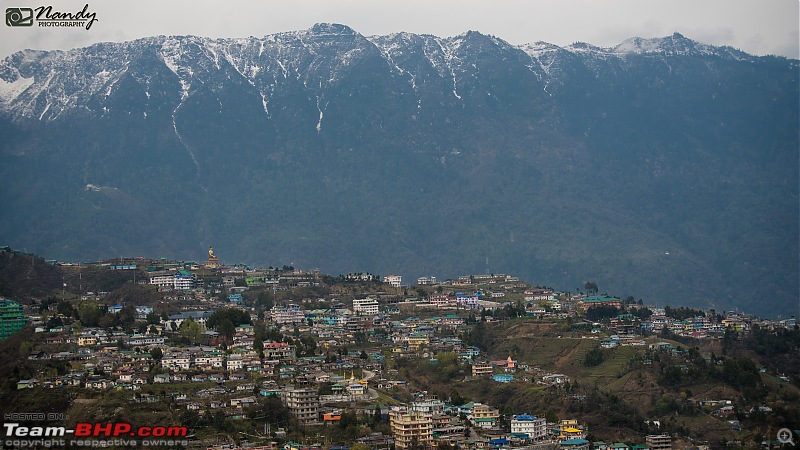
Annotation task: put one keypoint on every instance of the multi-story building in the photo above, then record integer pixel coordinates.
(417, 340)
(430, 406)
(176, 361)
(533, 427)
(234, 363)
(361, 276)
(164, 280)
(208, 360)
(182, 280)
(599, 300)
(441, 300)
(174, 321)
(393, 280)
(291, 314)
(279, 351)
(303, 404)
(424, 281)
(87, 340)
(659, 441)
(484, 416)
(410, 428)
(366, 306)
(571, 429)
(481, 369)
(468, 300)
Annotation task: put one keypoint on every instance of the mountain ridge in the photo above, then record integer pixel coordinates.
(674, 45)
(659, 167)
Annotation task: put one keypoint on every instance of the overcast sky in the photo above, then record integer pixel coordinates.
(758, 27)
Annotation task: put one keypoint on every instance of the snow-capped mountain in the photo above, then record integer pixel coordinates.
(660, 166)
(45, 85)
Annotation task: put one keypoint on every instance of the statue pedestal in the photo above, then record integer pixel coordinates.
(212, 263)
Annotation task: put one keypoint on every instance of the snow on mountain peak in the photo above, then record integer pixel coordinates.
(34, 82)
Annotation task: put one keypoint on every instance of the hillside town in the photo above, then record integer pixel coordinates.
(221, 340)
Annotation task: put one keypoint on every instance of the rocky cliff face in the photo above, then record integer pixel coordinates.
(663, 168)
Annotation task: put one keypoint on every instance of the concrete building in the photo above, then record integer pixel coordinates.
(393, 280)
(176, 361)
(366, 306)
(431, 406)
(468, 300)
(410, 428)
(182, 280)
(303, 404)
(425, 281)
(533, 427)
(659, 441)
(481, 369)
(12, 317)
(484, 416)
(291, 314)
(280, 351)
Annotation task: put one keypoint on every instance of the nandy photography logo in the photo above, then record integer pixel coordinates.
(46, 16)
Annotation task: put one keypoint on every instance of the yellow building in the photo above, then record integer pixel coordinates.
(571, 429)
(484, 416)
(417, 340)
(410, 428)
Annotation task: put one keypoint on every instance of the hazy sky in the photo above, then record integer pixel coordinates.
(759, 27)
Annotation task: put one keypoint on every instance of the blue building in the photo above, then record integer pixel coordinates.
(503, 377)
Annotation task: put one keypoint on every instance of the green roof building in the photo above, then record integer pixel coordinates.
(12, 318)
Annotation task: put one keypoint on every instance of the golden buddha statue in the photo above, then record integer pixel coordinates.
(212, 262)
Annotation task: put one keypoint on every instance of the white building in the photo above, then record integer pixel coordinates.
(424, 281)
(179, 281)
(208, 361)
(291, 314)
(428, 406)
(366, 306)
(468, 300)
(393, 280)
(234, 363)
(163, 280)
(532, 426)
(184, 281)
(176, 361)
(175, 320)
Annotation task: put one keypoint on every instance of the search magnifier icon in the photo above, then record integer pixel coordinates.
(785, 436)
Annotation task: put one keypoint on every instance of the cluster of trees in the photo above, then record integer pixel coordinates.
(682, 313)
(443, 368)
(779, 350)
(479, 336)
(600, 312)
(511, 311)
(691, 367)
(92, 315)
(446, 368)
(774, 343)
(594, 357)
(225, 320)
